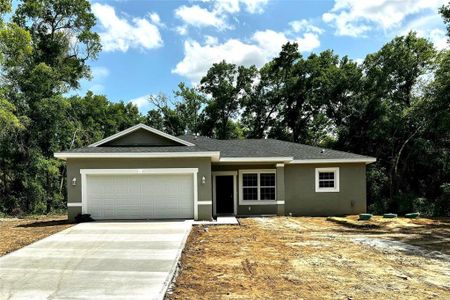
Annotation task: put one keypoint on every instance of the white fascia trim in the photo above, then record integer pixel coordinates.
(255, 159)
(77, 204)
(141, 126)
(331, 161)
(63, 155)
(140, 171)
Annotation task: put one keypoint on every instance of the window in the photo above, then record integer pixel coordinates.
(257, 186)
(327, 179)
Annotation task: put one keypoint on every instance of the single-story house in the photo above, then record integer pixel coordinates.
(143, 173)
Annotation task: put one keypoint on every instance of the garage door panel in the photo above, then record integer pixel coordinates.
(140, 196)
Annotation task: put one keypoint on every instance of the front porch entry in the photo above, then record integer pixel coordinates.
(224, 193)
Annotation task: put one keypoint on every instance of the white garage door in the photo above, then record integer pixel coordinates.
(140, 196)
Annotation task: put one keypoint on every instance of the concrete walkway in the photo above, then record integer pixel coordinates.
(99, 260)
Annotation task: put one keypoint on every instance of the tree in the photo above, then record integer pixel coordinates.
(178, 116)
(45, 49)
(190, 107)
(445, 12)
(226, 85)
(164, 117)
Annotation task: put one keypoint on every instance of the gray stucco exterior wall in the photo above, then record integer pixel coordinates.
(302, 199)
(75, 165)
(252, 210)
(295, 184)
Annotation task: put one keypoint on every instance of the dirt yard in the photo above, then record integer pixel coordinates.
(315, 258)
(17, 233)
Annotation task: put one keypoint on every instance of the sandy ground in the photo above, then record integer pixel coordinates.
(312, 258)
(17, 233)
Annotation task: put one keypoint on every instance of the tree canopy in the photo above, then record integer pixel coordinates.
(394, 105)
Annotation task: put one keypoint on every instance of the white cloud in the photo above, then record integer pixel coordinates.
(262, 46)
(141, 103)
(356, 18)
(308, 42)
(216, 15)
(154, 17)
(255, 6)
(120, 35)
(200, 17)
(229, 6)
(99, 73)
(439, 38)
(430, 27)
(181, 30)
(97, 83)
(359, 61)
(211, 40)
(234, 6)
(304, 25)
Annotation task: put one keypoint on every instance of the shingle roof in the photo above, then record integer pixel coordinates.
(234, 149)
(268, 148)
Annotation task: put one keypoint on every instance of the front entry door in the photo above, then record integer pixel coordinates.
(224, 194)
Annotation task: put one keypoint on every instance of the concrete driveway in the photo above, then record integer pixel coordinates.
(99, 260)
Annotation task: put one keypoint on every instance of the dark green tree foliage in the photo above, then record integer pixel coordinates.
(180, 116)
(445, 12)
(394, 106)
(393, 117)
(227, 85)
(44, 53)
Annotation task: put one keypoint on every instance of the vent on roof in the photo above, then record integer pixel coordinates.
(322, 151)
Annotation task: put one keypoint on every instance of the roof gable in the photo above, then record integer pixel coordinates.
(141, 135)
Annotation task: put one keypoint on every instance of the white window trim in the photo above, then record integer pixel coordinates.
(85, 172)
(256, 202)
(335, 189)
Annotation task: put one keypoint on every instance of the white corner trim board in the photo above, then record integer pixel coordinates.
(141, 126)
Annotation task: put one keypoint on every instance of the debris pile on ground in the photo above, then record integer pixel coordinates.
(312, 258)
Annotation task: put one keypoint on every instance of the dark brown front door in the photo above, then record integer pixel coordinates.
(224, 194)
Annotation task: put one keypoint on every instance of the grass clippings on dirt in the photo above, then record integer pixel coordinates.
(308, 258)
(17, 233)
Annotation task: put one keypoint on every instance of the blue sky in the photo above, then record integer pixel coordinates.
(151, 46)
